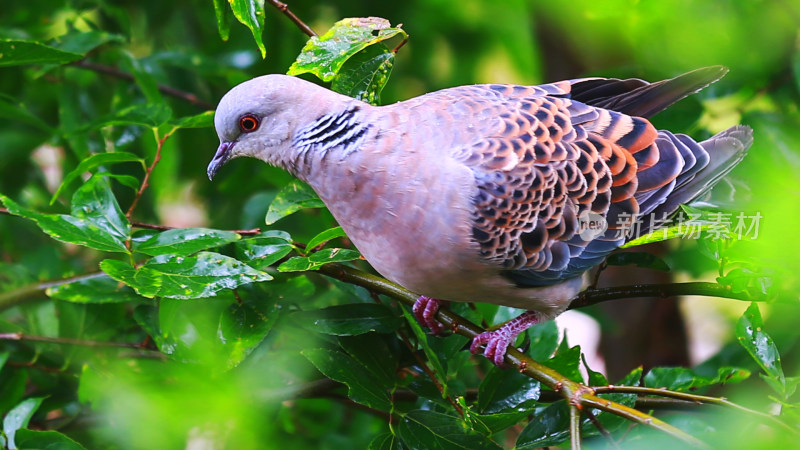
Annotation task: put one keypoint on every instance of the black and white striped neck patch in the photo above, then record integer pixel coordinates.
(340, 130)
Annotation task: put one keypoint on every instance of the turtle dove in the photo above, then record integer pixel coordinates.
(483, 193)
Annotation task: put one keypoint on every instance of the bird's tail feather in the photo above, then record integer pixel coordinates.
(636, 97)
(725, 150)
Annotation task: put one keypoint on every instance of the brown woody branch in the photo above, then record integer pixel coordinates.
(577, 394)
(116, 73)
(66, 341)
(282, 7)
(146, 181)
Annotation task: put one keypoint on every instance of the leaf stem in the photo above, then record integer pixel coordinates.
(284, 8)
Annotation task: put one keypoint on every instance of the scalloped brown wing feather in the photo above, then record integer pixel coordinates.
(551, 159)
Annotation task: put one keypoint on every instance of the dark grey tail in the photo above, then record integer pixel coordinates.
(636, 97)
(723, 152)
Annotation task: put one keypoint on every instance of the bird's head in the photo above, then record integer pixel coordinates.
(258, 118)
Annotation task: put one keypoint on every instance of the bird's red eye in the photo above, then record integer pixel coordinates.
(248, 123)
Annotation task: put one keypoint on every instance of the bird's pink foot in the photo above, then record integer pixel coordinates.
(497, 341)
(425, 309)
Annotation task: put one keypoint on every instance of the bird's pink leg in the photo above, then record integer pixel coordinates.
(497, 341)
(425, 309)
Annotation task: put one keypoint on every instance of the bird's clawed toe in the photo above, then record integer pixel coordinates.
(425, 309)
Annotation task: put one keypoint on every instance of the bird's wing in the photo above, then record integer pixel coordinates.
(544, 164)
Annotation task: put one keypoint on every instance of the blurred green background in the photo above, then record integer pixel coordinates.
(106, 397)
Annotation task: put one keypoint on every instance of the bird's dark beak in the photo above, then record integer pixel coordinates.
(220, 158)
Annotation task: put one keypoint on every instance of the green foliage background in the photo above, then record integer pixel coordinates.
(184, 361)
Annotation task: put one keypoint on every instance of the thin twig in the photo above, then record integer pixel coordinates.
(114, 72)
(65, 341)
(428, 372)
(146, 181)
(594, 296)
(592, 418)
(697, 399)
(30, 365)
(282, 7)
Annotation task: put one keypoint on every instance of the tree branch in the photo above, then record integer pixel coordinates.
(114, 72)
(693, 398)
(574, 427)
(282, 7)
(594, 296)
(66, 341)
(22, 294)
(575, 393)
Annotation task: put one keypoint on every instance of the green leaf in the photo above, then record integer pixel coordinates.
(544, 340)
(143, 78)
(184, 277)
(423, 338)
(340, 367)
(264, 250)
(684, 379)
(292, 198)
(691, 223)
(365, 74)
(638, 259)
(386, 441)
(373, 353)
(202, 120)
(97, 222)
(350, 320)
(17, 112)
(547, 428)
(325, 55)
(83, 42)
(755, 283)
(97, 289)
(145, 282)
(12, 390)
(146, 316)
(318, 259)
(422, 429)
(150, 115)
(242, 328)
(19, 417)
(324, 237)
(93, 162)
(251, 14)
(125, 180)
(567, 363)
(223, 14)
(506, 390)
(46, 440)
(490, 424)
(15, 53)
(94, 201)
(185, 241)
(759, 344)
